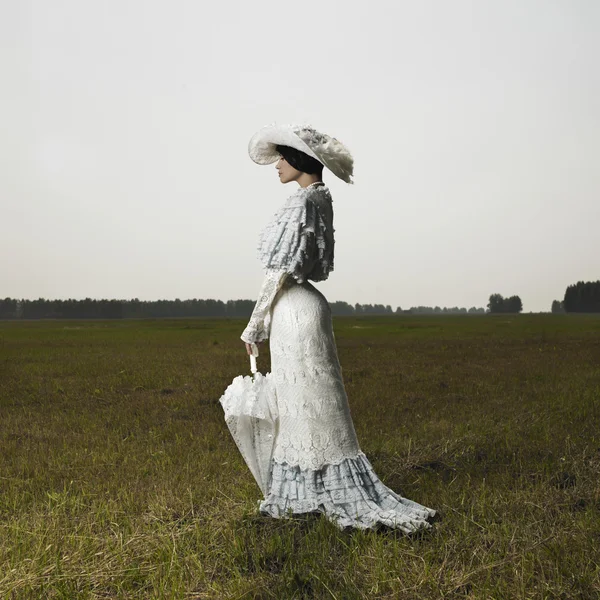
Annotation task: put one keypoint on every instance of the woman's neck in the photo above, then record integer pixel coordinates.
(307, 179)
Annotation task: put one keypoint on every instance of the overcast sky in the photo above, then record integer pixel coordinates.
(474, 125)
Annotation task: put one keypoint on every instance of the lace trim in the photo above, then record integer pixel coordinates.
(334, 461)
(309, 441)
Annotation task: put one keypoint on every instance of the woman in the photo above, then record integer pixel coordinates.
(317, 463)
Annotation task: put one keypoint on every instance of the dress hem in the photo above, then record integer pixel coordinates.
(348, 493)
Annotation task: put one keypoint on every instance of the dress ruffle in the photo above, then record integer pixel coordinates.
(348, 493)
(300, 236)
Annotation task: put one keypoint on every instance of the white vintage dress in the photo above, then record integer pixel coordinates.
(317, 464)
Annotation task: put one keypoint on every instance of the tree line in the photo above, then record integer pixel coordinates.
(121, 309)
(582, 297)
(341, 308)
(89, 308)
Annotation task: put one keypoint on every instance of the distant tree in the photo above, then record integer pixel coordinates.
(513, 304)
(496, 303)
(583, 297)
(341, 308)
(499, 304)
(372, 309)
(8, 308)
(239, 308)
(558, 306)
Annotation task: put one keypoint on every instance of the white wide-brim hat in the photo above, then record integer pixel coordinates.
(327, 150)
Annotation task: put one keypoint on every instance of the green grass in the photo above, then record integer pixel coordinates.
(119, 478)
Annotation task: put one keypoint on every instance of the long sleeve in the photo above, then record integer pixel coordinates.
(258, 326)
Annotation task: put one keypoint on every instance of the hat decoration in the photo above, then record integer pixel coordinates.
(329, 151)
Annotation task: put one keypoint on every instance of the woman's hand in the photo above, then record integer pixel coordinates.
(249, 347)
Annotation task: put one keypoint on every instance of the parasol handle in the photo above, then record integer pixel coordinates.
(253, 356)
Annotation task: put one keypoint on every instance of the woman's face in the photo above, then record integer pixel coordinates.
(286, 172)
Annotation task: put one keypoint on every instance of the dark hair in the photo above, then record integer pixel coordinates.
(300, 160)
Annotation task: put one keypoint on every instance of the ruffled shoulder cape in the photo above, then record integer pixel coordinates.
(299, 238)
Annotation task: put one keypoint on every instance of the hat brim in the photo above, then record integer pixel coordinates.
(262, 147)
(330, 152)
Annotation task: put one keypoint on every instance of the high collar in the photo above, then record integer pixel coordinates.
(317, 185)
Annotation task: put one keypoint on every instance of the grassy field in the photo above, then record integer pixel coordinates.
(119, 478)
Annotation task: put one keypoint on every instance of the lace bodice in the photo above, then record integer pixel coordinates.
(297, 242)
(299, 237)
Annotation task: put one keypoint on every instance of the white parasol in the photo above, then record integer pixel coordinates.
(250, 406)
